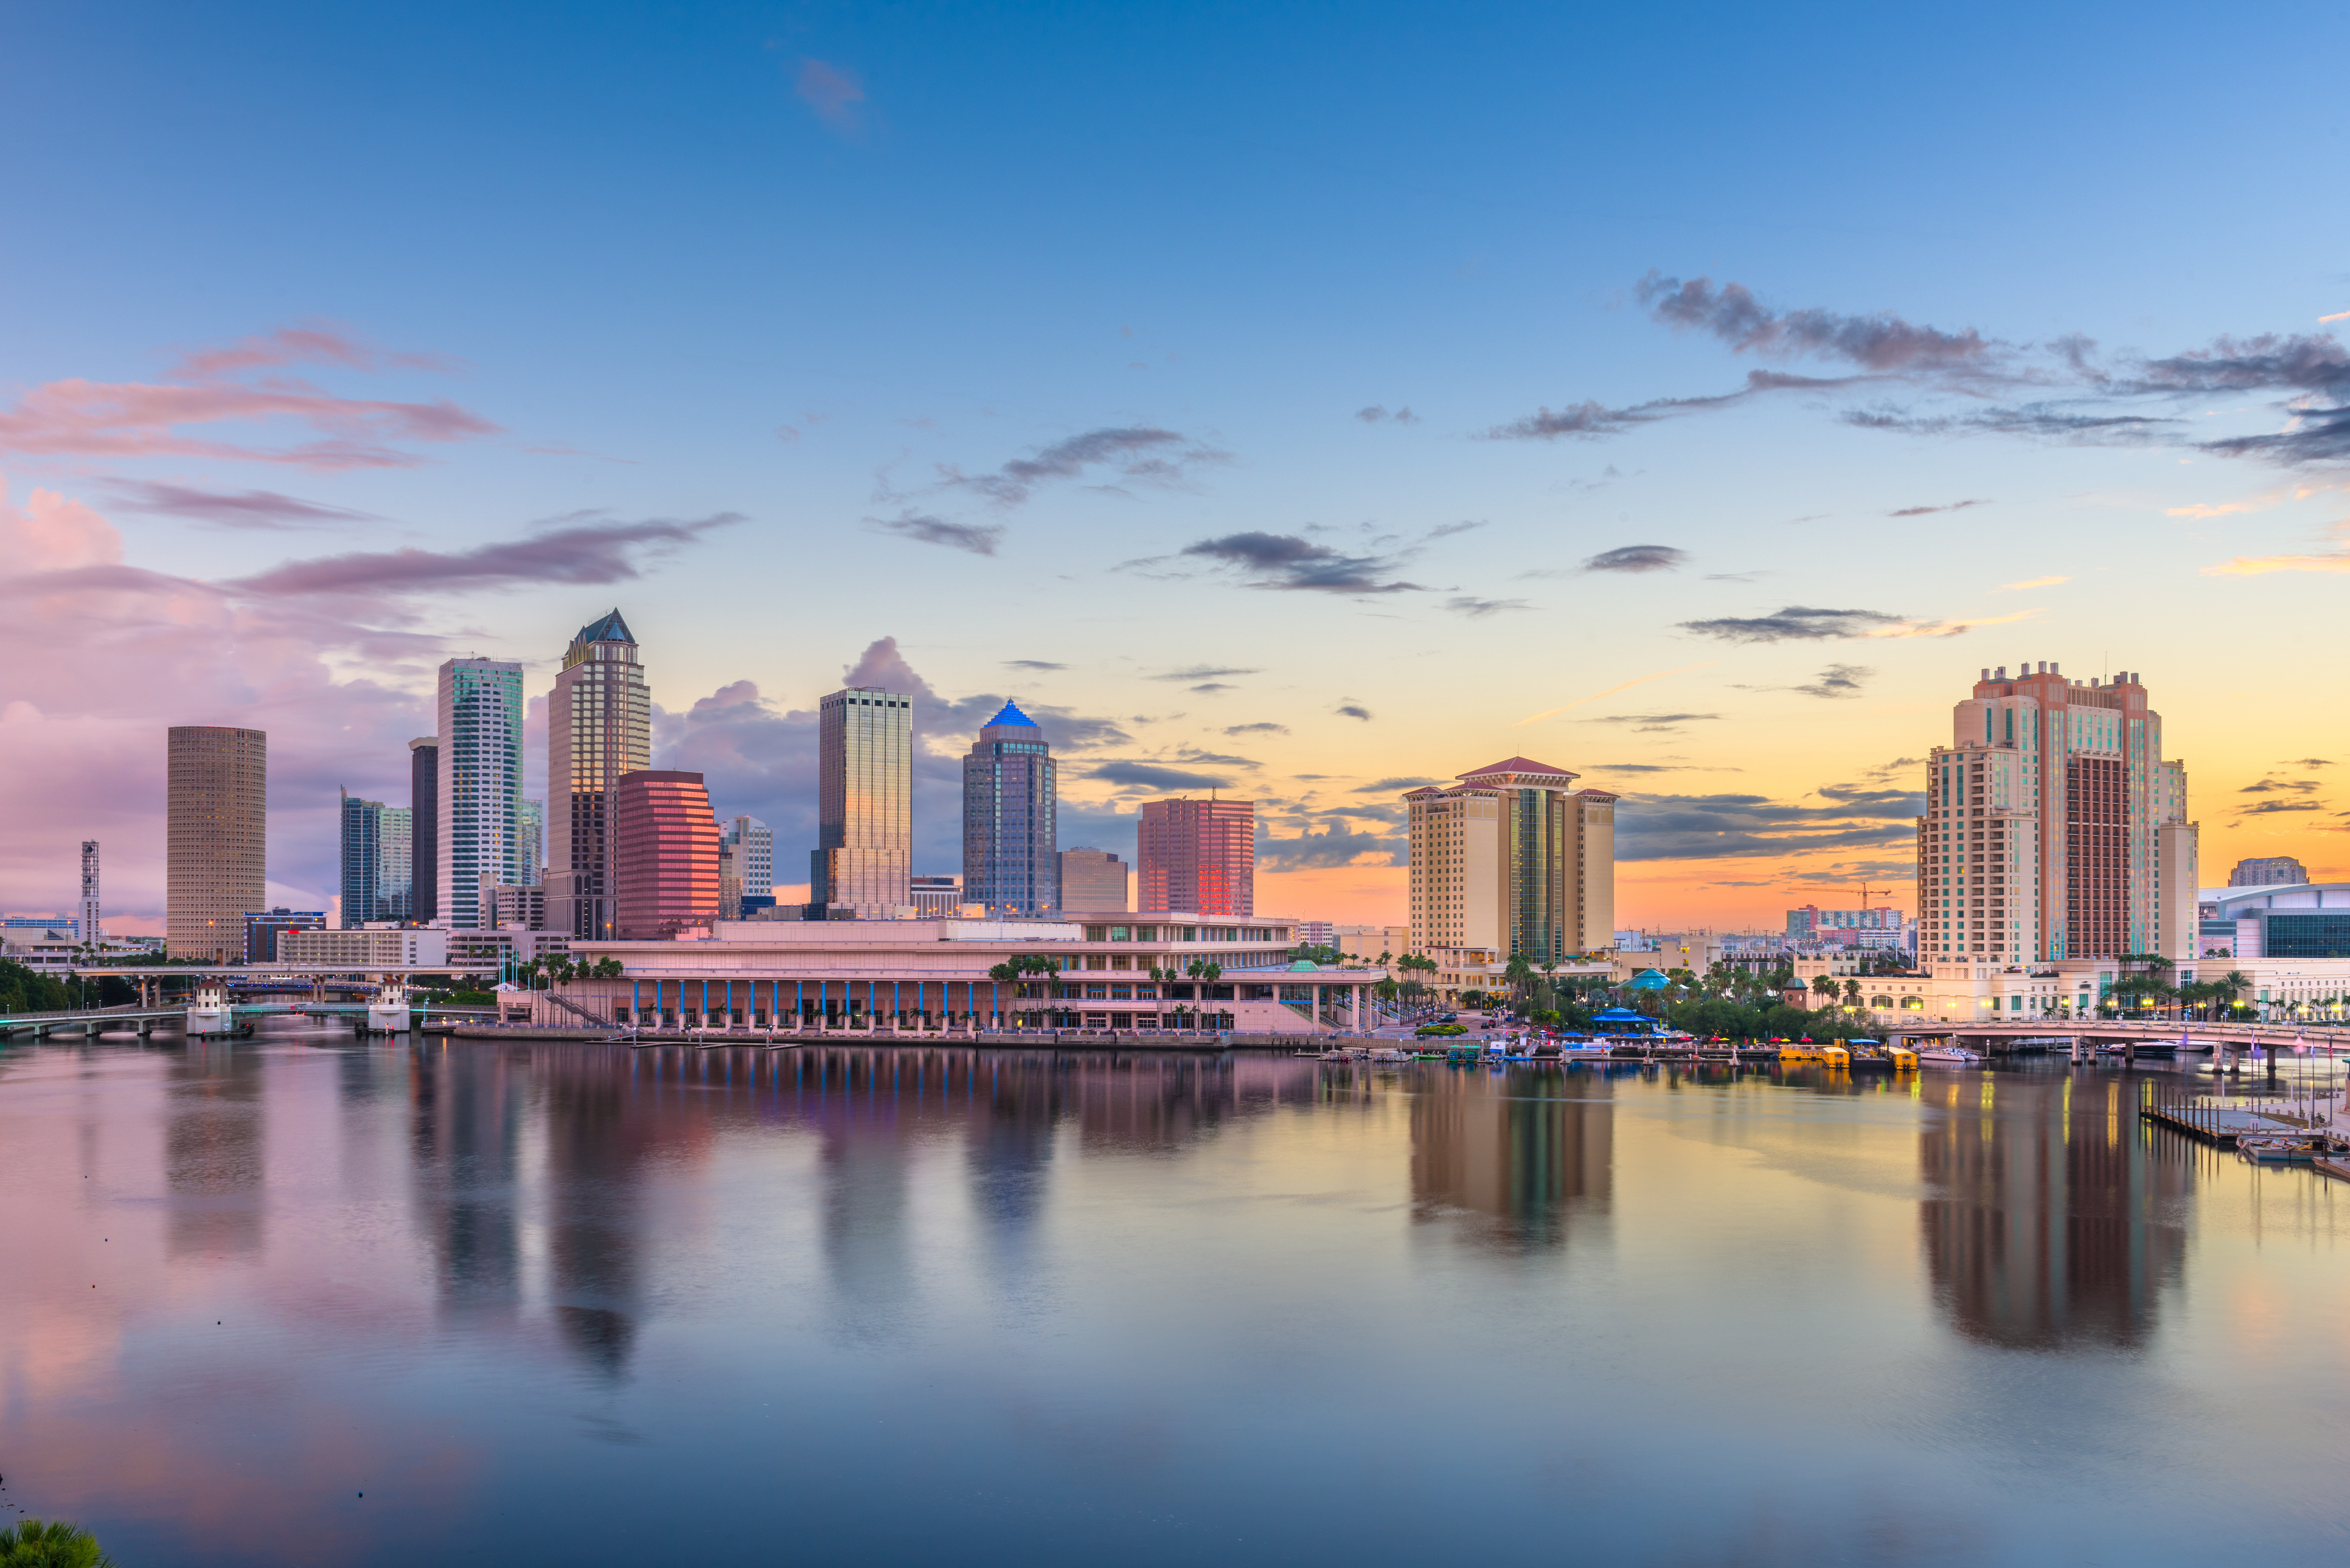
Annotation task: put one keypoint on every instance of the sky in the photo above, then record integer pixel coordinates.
(1303, 401)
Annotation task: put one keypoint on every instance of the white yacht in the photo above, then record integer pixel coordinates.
(1949, 1053)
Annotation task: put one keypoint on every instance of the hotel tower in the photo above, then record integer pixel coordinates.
(863, 857)
(600, 725)
(1512, 862)
(2054, 828)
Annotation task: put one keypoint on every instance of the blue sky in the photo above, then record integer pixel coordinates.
(1029, 334)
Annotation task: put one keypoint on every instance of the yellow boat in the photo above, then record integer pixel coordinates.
(1815, 1051)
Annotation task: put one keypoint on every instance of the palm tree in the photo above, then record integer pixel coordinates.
(29, 1543)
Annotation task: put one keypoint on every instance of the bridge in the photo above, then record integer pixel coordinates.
(134, 1018)
(2149, 1033)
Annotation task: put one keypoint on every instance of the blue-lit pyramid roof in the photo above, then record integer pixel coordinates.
(611, 628)
(1011, 714)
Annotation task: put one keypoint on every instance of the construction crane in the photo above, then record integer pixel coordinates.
(1866, 890)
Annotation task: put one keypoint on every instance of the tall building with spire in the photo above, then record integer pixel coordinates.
(1513, 861)
(1010, 826)
(480, 785)
(863, 857)
(2054, 828)
(600, 725)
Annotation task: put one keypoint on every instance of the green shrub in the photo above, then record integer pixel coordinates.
(29, 1543)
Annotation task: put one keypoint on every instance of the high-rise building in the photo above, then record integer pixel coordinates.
(1011, 834)
(2270, 871)
(1196, 856)
(1515, 862)
(263, 927)
(865, 785)
(378, 862)
(479, 783)
(424, 828)
(216, 829)
(746, 866)
(534, 843)
(600, 725)
(91, 931)
(665, 854)
(2054, 828)
(1095, 880)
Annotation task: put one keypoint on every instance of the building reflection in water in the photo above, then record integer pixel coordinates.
(213, 1161)
(2057, 1217)
(600, 1133)
(464, 1135)
(1518, 1157)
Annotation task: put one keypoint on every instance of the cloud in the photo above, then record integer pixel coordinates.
(2311, 761)
(1796, 623)
(1334, 845)
(1215, 686)
(314, 343)
(1593, 419)
(1478, 609)
(1923, 510)
(1143, 453)
(1730, 826)
(2268, 787)
(1396, 786)
(239, 509)
(1638, 559)
(2336, 559)
(1154, 776)
(1445, 530)
(1377, 414)
(1351, 711)
(1194, 754)
(979, 539)
(836, 96)
(1285, 561)
(1258, 729)
(1883, 343)
(2313, 435)
(1836, 680)
(1204, 672)
(132, 419)
(2029, 583)
(1653, 723)
(586, 548)
(1032, 664)
(2272, 807)
(1595, 696)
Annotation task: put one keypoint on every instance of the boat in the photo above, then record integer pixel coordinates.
(2288, 1149)
(1390, 1053)
(1949, 1054)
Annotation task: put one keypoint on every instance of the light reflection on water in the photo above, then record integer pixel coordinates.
(857, 1305)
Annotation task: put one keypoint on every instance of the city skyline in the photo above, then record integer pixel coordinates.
(1443, 408)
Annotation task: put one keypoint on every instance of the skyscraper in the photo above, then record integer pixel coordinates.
(534, 842)
(1095, 880)
(216, 829)
(424, 828)
(2268, 871)
(2054, 827)
(1513, 861)
(378, 862)
(664, 855)
(1198, 855)
(480, 832)
(600, 725)
(1010, 834)
(91, 931)
(864, 856)
(746, 866)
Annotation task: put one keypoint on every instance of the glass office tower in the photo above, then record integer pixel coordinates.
(1010, 835)
(600, 725)
(480, 785)
(863, 863)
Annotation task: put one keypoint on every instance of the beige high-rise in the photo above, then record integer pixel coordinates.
(1513, 861)
(216, 816)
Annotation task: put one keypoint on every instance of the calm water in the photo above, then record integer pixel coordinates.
(578, 1305)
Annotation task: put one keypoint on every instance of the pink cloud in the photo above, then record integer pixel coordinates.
(591, 550)
(834, 94)
(320, 343)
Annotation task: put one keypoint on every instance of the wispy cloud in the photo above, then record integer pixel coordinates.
(977, 538)
(1155, 776)
(1653, 723)
(1285, 561)
(1595, 696)
(1638, 559)
(1353, 710)
(2336, 559)
(2029, 583)
(1925, 510)
(1478, 609)
(264, 509)
(1142, 454)
(1205, 672)
(835, 95)
(1377, 414)
(1837, 681)
(584, 548)
(1882, 343)
(1032, 664)
(1261, 728)
(1796, 623)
